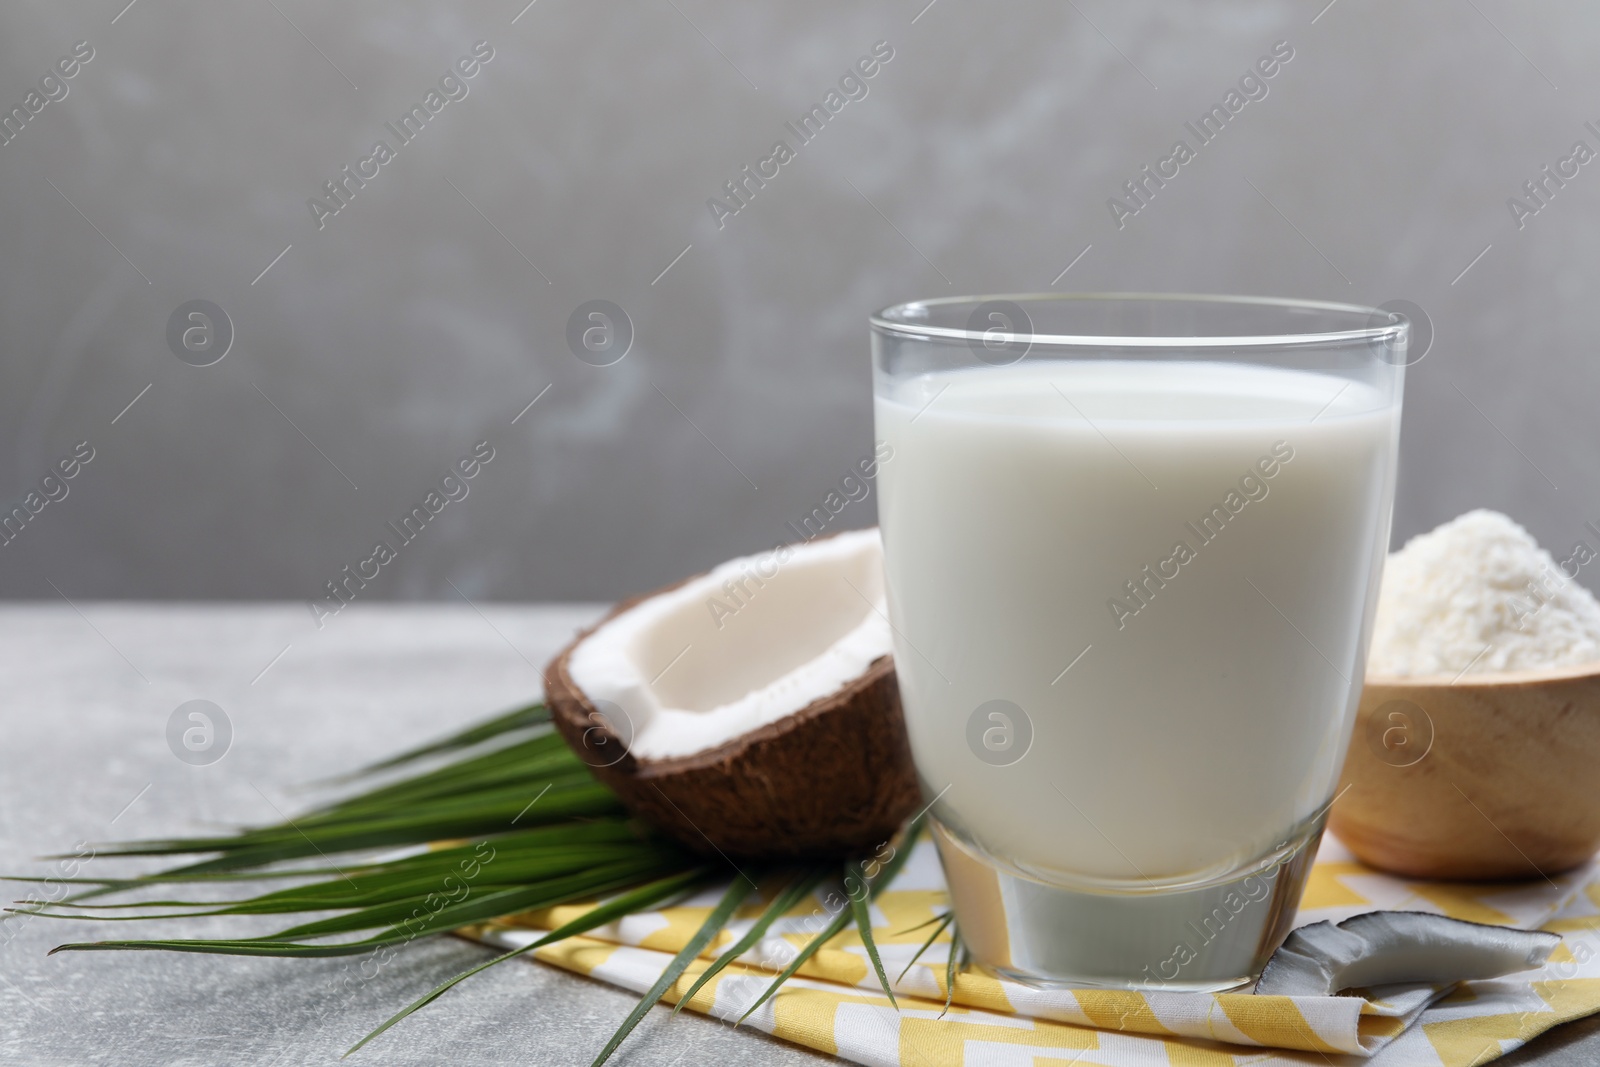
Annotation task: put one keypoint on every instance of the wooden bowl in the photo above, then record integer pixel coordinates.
(1493, 776)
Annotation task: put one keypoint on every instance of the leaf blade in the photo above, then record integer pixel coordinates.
(862, 912)
(943, 921)
(529, 715)
(640, 898)
(885, 876)
(737, 891)
(781, 905)
(958, 952)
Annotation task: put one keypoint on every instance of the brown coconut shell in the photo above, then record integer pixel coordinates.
(834, 778)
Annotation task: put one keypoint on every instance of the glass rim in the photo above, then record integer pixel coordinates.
(1390, 325)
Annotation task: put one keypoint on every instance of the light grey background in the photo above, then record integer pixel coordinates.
(420, 320)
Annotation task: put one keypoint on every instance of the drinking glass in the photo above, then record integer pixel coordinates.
(1132, 545)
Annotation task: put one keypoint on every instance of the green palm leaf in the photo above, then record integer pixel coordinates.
(885, 876)
(535, 714)
(943, 921)
(702, 937)
(781, 905)
(862, 910)
(506, 820)
(957, 961)
(638, 900)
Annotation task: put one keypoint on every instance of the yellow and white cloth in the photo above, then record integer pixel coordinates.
(836, 1005)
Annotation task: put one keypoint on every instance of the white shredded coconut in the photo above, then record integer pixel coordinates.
(1478, 595)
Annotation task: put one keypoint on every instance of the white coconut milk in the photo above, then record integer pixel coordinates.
(1169, 568)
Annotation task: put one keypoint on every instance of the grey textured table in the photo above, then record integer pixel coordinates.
(88, 691)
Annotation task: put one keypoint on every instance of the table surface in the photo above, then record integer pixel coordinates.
(88, 692)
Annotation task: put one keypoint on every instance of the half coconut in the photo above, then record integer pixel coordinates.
(751, 710)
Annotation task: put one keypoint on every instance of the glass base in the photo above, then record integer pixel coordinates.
(1209, 935)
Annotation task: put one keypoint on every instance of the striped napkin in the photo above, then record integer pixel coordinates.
(835, 1004)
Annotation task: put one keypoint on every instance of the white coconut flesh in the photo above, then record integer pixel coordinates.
(1382, 948)
(751, 642)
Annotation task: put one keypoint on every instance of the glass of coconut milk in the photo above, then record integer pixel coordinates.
(1132, 546)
